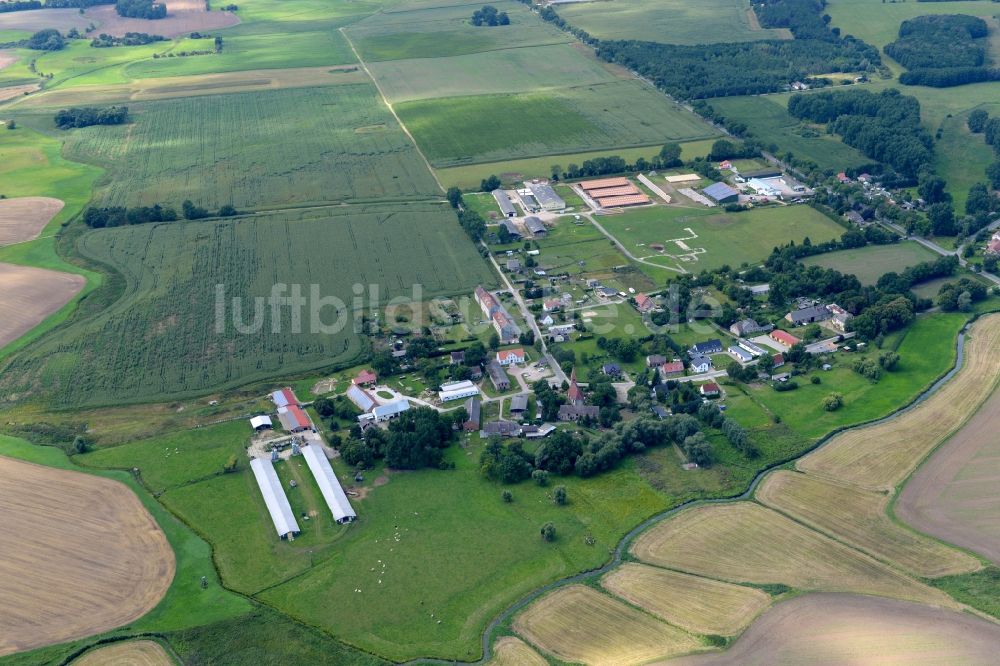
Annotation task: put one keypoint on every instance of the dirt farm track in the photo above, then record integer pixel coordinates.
(79, 555)
(953, 496)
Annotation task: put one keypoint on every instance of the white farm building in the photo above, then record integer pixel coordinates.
(457, 391)
(274, 497)
(328, 484)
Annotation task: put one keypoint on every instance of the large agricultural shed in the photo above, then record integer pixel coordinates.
(457, 391)
(546, 196)
(506, 205)
(274, 497)
(360, 398)
(294, 419)
(328, 484)
(721, 193)
(284, 397)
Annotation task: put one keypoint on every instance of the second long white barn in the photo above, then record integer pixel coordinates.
(328, 484)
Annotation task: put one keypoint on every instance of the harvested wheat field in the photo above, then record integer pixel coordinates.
(510, 651)
(834, 629)
(30, 295)
(23, 218)
(700, 605)
(7, 58)
(954, 496)
(10, 92)
(858, 517)
(881, 456)
(581, 625)
(745, 542)
(127, 653)
(80, 555)
(183, 16)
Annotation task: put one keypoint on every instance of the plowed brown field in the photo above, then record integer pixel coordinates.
(836, 629)
(23, 218)
(79, 555)
(30, 295)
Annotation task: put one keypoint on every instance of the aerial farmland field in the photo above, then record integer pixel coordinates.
(490, 128)
(414, 31)
(518, 70)
(767, 115)
(745, 542)
(858, 517)
(257, 150)
(871, 262)
(158, 339)
(82, 556)
(579, 624)
(817, 629)
(669, 21)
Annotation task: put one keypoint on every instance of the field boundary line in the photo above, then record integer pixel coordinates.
(385, 100)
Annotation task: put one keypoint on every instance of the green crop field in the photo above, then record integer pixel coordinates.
(767, 117)
(159, 339)
(669, 21)
(256, 150)
(240, 52)
(871, 262)
(878, 22)
(513, 70)
(714, 238)
(436, 31)
(490, 128)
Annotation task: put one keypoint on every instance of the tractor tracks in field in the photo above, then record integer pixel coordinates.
(385, 100)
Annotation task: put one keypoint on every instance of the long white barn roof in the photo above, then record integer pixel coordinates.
(333, 493)
(274, 496)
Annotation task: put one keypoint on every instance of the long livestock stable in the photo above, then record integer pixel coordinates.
(328, 484)
(614, 192)
(274, 498)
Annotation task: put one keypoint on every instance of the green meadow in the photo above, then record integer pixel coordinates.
(669, 21)
(871, 262)
(492, 128)
(767, 116)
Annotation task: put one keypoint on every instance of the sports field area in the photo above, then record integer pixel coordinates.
(696, 239)
(159, 340)
(669, 21)
(871, 262)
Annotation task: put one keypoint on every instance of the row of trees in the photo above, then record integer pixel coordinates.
(885, 126)
(25, 5)
(129, 39)
(471, 222)
(97, 217)
(88, 115)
